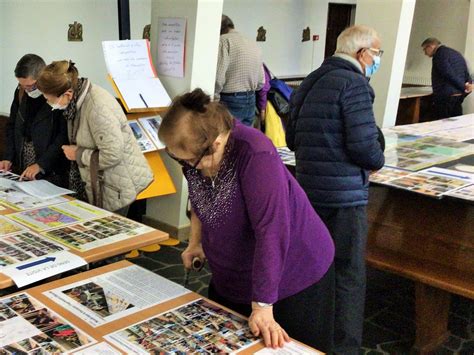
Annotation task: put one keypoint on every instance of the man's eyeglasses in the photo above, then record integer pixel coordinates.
(378, 52)
(190, 163)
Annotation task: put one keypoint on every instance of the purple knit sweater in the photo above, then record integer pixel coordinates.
(261, 236)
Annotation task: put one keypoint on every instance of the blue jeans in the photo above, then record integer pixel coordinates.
(241, 105)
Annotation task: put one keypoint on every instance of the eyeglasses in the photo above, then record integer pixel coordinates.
(378, 52)
(189, 163)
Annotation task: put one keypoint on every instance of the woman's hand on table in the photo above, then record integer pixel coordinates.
(262, 323)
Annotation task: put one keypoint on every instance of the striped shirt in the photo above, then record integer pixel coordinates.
(239, 66)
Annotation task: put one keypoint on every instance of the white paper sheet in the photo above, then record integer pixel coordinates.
(128, 59)
(115, 294)
(98, 349)
(290, 348)
(41, 189)
(152, 92)
(21, 201)
(35, 270)
(171, 46)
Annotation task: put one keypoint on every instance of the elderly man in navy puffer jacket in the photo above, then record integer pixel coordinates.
(333, 132)
(450, 78)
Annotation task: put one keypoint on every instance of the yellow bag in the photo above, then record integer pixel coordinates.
(273, 127)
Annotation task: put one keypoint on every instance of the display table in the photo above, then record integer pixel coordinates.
(89, 286)
(119, 243)
(410, 104)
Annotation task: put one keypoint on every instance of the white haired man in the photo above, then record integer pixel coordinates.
(333, 132)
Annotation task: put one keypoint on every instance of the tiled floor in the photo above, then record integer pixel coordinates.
(389, 324)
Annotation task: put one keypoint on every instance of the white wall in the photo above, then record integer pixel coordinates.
(444, 19)
(202, 41)
(140, 16)
(284, 20)
(393, 23)
(41, 27)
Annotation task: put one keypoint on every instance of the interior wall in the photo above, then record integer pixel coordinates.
(446, 20)
(140, 16)
(202, 41)
(284, 20)
(47, 37)
(393, 23)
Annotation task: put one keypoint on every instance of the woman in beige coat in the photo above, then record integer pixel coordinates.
(96, 122)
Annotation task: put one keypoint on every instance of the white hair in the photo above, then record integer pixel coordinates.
(354, 38)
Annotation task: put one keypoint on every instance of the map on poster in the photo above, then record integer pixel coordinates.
(115, 294)
(27, 326)
(196, 327)
(60, 215)
(97, 232)
(24, 245)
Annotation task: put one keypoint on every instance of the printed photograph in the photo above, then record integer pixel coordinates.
(94, 297)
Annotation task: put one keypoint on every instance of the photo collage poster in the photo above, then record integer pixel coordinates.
(197, 327)
(87, 235)
(29, 327)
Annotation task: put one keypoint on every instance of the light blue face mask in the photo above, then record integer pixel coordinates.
(372, 69)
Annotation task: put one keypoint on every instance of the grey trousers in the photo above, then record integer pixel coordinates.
(348, 228)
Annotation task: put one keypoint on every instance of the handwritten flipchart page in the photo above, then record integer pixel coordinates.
(128, 59)
(171, 46)
(130, 65)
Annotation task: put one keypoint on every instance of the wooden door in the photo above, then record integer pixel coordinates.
(339, 17)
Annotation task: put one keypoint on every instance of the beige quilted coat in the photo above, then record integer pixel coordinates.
(101, 124)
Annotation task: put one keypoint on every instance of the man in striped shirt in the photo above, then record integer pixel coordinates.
(239, 72)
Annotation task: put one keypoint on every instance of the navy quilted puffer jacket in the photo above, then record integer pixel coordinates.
(449, 72)
(332, 130)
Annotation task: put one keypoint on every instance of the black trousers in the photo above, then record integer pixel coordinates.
(306, 316)
(445, 107)
(348, 228)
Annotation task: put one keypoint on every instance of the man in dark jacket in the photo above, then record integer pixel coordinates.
(34, 133)
(333, 132)
(450, 78)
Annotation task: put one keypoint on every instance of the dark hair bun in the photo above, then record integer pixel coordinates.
(196, 100)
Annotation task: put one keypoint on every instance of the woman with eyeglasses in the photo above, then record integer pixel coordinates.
(270, 255)
(34, 134)
(96, 123)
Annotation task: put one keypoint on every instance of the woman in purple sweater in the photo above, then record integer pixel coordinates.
(270, 255)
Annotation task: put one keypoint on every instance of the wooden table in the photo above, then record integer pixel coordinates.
(429, 241)
(99, 332)
(103, 252)
(410, 103)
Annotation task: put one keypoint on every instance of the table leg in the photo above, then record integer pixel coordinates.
(432, 310)
(416, 110)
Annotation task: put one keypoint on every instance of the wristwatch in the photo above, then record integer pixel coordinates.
(264, 305)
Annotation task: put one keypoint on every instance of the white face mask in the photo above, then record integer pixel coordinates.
(34, 93)
(57, 106)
